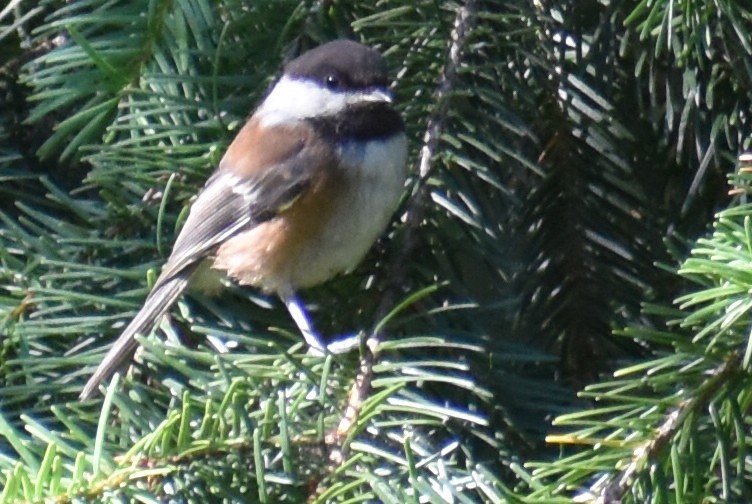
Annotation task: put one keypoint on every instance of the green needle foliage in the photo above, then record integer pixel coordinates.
(673, 428)
(567, 161)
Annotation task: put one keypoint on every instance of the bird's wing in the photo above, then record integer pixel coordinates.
(228, 204)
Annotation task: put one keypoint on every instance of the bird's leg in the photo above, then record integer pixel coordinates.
(299, 315)
(311, 337)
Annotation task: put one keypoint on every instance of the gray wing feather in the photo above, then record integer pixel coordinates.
(226, 206)
(165, 292)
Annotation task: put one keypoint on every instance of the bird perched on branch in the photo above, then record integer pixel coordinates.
(303, 191)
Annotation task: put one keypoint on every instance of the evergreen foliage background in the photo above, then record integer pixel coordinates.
(562, 299)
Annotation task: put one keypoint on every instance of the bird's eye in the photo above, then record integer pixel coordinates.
(332, 82)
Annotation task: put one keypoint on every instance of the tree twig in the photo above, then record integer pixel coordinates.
(412, 217)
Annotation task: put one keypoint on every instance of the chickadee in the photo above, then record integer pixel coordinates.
(303, 191)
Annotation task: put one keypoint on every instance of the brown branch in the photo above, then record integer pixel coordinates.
(413, 215)
(613, 489)
(412, 218)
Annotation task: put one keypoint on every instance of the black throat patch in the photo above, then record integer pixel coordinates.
(368, 121)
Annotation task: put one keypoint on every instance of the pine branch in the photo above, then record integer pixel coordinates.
(673, 425)
(412, 218)
(612, 490)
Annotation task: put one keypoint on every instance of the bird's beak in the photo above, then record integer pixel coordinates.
(378, 95)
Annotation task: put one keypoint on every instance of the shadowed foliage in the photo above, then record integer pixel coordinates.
(569, 165)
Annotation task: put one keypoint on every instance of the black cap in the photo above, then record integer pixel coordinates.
(341, 64)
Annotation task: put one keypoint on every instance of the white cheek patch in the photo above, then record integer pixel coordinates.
(297, 99)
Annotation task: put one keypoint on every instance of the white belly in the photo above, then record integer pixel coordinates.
(298, 249)
(377, 176)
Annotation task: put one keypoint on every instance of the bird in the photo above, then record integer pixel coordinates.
(308, 184)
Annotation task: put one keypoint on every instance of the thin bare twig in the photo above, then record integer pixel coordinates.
(412, 217)
(611, 490)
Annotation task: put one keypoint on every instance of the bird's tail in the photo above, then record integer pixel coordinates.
(161, 298)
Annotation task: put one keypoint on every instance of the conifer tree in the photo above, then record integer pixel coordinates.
(559, 310)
